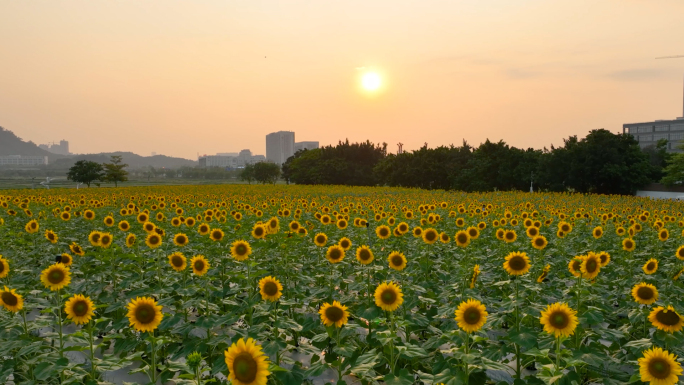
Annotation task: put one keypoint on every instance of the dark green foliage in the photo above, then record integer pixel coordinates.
(266, 172)
(115, 171)
(85, 171)
(673, 173)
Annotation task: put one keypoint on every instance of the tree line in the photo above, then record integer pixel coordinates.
(87, 172)
(602, 163)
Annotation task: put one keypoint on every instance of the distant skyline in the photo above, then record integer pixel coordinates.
(181, 78)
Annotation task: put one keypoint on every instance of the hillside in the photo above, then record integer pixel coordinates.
(10, 144)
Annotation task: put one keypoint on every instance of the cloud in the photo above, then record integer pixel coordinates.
(637, 74)
(519, 73)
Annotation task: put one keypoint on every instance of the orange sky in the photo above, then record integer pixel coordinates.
(207, 76)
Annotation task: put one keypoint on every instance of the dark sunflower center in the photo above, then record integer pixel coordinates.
(334, 313)
(344, 244)
(430, 236)
(80, 308)
(177, 261)
(517, 263)
(181, 240)
(472, 316)
(650, 266)
(509, 235)
(245, 368)
(258, 231)
(559, 320)
(591, 265)
(294, 226)
(565, 228)
(2, 267)
(364, 255)
(645, 293)
(96, 238)
(270, 288)
(629, 244)
(154, 240)
(668, 317)
(203, 229)
(539, 242)
(320, 239)
(533, 231)
(402, 228)
(105, 240)
(149, 227)
(55, 277)
(397, 260)
(144, 313)
(335, 254)
(659, 369)
(462, 238)
(199, 265)
(241, 249)
(384, 232)
(681, 253)
(388, 297)
(472, 233)
(51, 236)
(9, 298)
(604, 258)
(598, 233)
(576, 265)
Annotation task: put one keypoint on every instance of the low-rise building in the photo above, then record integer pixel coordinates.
(305, 146)
(18, 160)
(649, 133)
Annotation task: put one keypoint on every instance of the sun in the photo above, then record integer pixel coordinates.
(371, 81)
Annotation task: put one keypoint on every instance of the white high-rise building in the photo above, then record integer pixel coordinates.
(280, 146)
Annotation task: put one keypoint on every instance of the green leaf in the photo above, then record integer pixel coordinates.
(525, 337)
(411, 351)
(404, 378)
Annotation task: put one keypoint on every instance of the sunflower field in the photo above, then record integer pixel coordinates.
(253, 285)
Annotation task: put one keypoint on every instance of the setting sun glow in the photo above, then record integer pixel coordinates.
(371, 81)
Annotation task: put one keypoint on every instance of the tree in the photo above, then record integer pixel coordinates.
(247, 173)
(674, 172)
(85, 171)
(266, 172)
(114, 172)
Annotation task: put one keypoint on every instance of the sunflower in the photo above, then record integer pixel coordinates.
(56, 277)
(89, 215)
(240, 250)
(663, 235)
(539, 242)
(65, 259)
(500, 234)
(559, 319)
(604, 257)
(473, 278)
(383, 232)
(247, 364)
(364, 255)
(94, 238)
(417, 232)
(544, 274)
(106, 240)
(397, 261)
(79, 309)
(471, 315)
(430, 236)
(259, 232)
(403, 227)
(190, 221)
(517, 263)
(124, 226)
(444, 237)
(142, 218)
(532, 232)
(270, 289)
(200, 265)
(178, 261)
(676, 276)
(109, 221)
(11, 300)
(65, 215)
(76, 249)
(666, 319)
(302, 232)
(651, 266)
(335, 314)
(153, 240)
(203, 229)
(597, 232)
(342, 224)
(510, 236)
(659, 367)
(180, 239)
(591, 266)
(320, 239)
(32, 226)
(149, 227)
(388, 296)
(130, 240)
(51, 236)
(680, 253)
(144, 314)
(345, 243)
(462, 238)
(628, 244)
(335, 254)
(4, 267)
(644, 293)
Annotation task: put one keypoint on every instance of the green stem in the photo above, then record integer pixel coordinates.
(153, 375)
(465, 360)
(275, 325)
(558, 353)
(517, 328)
(579, 304)
(59, 321)
(92, 351)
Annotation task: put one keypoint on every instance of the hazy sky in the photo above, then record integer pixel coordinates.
(206, 76)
